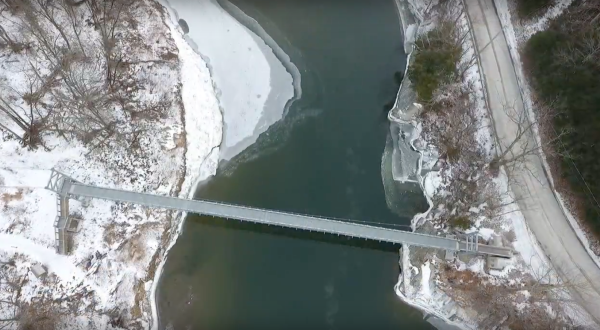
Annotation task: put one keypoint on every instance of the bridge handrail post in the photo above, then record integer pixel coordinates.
(472, 242)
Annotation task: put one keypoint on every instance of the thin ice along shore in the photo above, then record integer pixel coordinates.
(410, 162)
(252, 84)
(204, 132)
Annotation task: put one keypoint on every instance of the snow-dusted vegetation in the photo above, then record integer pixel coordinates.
(471, 193)
(109, 93)
(571, 160)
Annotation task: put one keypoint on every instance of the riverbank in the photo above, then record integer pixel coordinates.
(404, 115)
(249, 103)
(327, 165)
(110, 272)
(252, 84)
(472, 291)
(202, 146)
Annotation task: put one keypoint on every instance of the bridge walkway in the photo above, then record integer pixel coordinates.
(72, 189)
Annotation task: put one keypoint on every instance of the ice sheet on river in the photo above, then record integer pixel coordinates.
(406, 163)
(253, 85)
(403, 129)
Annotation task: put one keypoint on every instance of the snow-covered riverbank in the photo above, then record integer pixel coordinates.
(254, 81)
(458, 287)
(252, 84)
(418, 284)
(118, 251)
(204, 126)
(407, 165)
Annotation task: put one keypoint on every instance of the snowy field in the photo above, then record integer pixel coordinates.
(253, 85)
(112, 267)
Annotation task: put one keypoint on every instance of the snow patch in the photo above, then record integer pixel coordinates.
(425, 292)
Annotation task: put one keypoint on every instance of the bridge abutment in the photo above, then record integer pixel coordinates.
(63, 229)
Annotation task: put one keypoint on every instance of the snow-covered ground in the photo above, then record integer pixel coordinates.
(201, 163)
(422, 284)
(118, 254)
(112, 266)
(253, 85)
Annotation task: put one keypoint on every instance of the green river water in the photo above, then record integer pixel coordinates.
(323, 159)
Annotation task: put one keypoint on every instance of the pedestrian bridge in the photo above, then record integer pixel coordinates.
(67, 188)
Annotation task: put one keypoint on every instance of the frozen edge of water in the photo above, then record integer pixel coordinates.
(271, 111)
(199, 166)
(253, 85)
(209, 162)
(404, 98)
(281, 55)
(410, 20)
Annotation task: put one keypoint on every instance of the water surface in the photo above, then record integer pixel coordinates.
(323, 159)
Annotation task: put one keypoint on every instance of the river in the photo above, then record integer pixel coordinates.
(324, 158)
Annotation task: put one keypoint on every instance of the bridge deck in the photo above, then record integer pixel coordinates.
(283, 219)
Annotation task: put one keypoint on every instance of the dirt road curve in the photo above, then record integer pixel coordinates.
(537, 201)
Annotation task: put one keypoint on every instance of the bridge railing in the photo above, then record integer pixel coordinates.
(57, 180)
(66, 187)
(265, 211)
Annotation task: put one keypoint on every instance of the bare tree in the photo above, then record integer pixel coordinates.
(50, 11)
(47, 44)
(4, 36)
(24, 119)
(9, 301)
(517, 304)
(12, 38)
(39, 312)
(88, 111)
(467, 193)
(582, 52)
(107, 15)
(75, 21)
(29, 118)
(80, 87)
(582, 17)
(518, 149)
(451, 123)
(56, 25)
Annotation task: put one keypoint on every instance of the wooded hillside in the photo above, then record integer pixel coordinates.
(564, 66)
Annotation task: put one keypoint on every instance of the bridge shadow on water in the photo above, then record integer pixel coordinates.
(298, 234)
